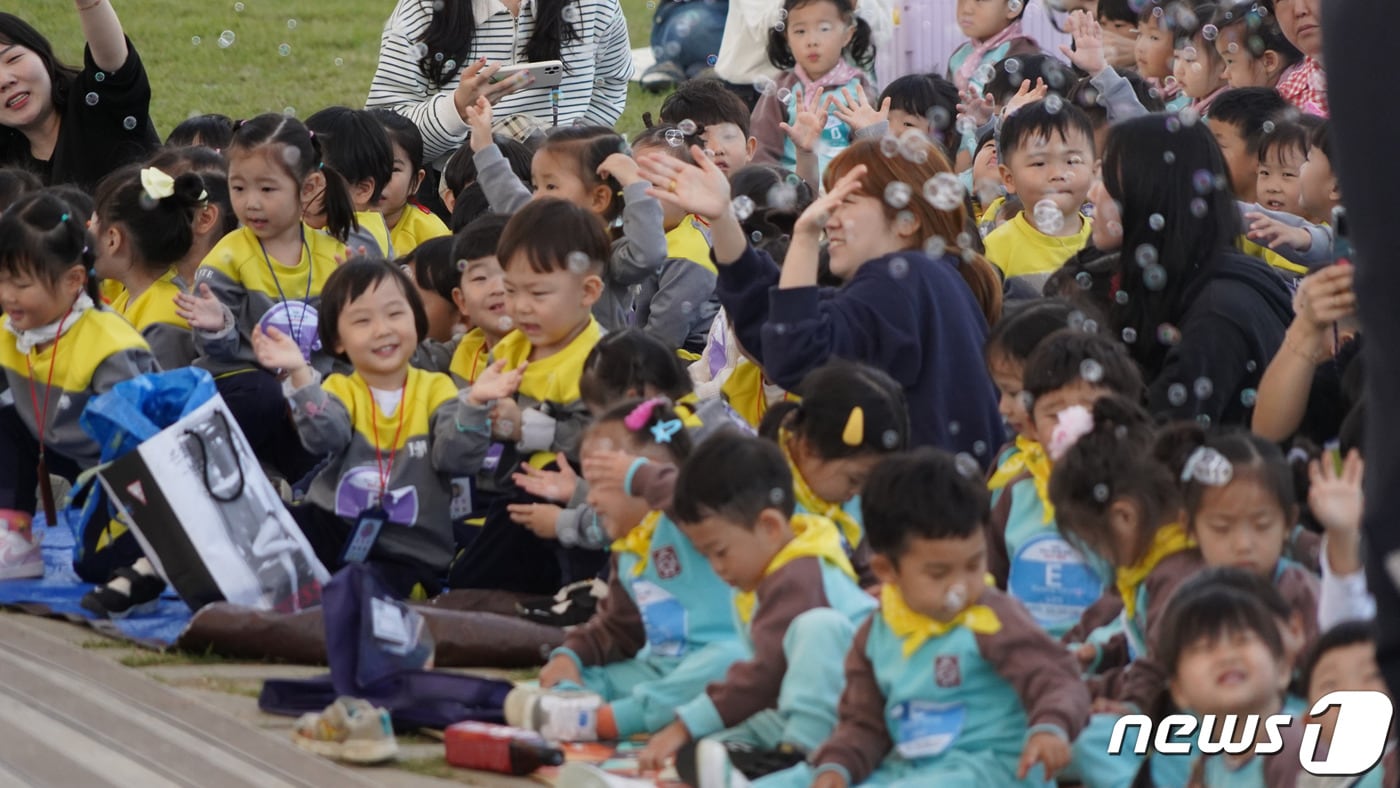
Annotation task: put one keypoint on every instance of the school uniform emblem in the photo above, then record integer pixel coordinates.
(946, 672)
(668, 564)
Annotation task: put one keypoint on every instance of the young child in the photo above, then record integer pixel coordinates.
(1009, 344)
(1158, 26)
(1319, 191)
(1343, 658)
(215, 217)
(211, 131)
(1255, 52)
(666, 627)
(1047, 160)
(1283, 148)
(407, 421)
(993, 30)
(1197, 67)
(526, 405)
(434, 273)
(144, 225)
(356, 145)
(480, 296)
(926, 103)
(816, 45)
(268, 273)
(56, 338)
(460, 191)
(721, 119)
(951, 682)
(1237, 121)
(411, 222)
(1118, 19)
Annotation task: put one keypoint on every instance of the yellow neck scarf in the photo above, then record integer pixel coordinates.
(1168, 540)
(808, 500)
(814, 537)
(915, 629)
(1030, 456)
(638, 540)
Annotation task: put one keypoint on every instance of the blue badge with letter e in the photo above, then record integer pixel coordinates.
(1052, 580)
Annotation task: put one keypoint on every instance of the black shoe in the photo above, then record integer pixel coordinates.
(662, 77)
(143, 598)
(573, 605)
(749, 761)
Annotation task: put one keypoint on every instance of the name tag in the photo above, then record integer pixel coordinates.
(925, 729)
(367, 528)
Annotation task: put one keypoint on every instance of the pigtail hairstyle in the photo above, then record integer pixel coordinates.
(861, 50)
(624, 364)
(301, 157)
(846, 410)
(1200, 459)
(653, 421)
(41, 236)
(590, 146)
(161, 228)
(212, 168)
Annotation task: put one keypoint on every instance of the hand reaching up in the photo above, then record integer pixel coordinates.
(1087, 54)
(979, 108)
(1335, 497)
(700, 188)
(201, 309)
(476, 82)
(1026, 95)
(479, 117)
(857, 112)
(276, 350)
(810, 122)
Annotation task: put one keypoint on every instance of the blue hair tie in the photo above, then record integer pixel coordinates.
(63, 218)
(663, 431)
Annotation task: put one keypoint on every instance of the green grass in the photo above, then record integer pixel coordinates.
(428, 767)
(104, 643)
(150, 659)
(331, 51)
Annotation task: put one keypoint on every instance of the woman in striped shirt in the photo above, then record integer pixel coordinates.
(429, 63)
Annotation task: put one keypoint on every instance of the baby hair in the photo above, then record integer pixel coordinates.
(355, 143)
(353, 279)
(1347, 633)
(1281, 136)
(927, 96)
(1008, 74)
(846, 410)
(660, 137)
(1039, 121)
(300, 156)
(1217, 602)
(434, 267)
(1074, 354)
(479, 239)
(14, 184)
(42, 236)
(589, 146)
(779, 197)
(705, 102)
(628, 363)
(734, 477)
(1113, 461)
(651, 422)
(861, 50)
(1018, 334)
(922, 494)
(208, 131)
(161, 228)
(403, 133)
(577, 241)
(211, 166)
(1201, 459)
(1258, 32)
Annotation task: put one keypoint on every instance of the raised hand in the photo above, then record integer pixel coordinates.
(1335, 497)
(475, 82)
(479, 117)
(810, 122)
(857, 112)
(201, 309)
(620, 167)
(276, 350)
(814, 219)
(1026, 95)
(495, 382)
(976, 106)
(1087, 54)
(1273, 233)
(557, 485)
(700, 188)
(1325, 297)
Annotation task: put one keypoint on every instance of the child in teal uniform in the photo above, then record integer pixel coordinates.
(1009, 344)
(1344, 659)
(951, 683)
(664, 630)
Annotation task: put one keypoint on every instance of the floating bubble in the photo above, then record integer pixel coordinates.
(291, 24)
(784, 95)
(954, 428)
(1091, 370)
(1075, 320)
(1176, 394)
(1145, 255)
(1168, 334)
(196, 40)
(1210, 32)
(1188, 116)
(783, 196)
(1169, 157)
(91, 99)
(238, 8)
(147, 202)
(226, 39)
(1199, 208)
(675, 138)
(284, 50)
(99, 76)
(339, 62)
(1012, 65)
(944, 191)
(1091, 326)
(570, 13)
(979, 448)
(1053, 103)
(1047, 217)
(292, 157)
(897, 194)
(1248, 397)
(764, 86)
(687, 127)
(899, 268)
(743, 207)
(1130, 335)
(1084, 279)
(936, 247)
(1203, 181)
(1121, 297)
(1101, 493)
(890, 440)
(578, 262)
(779, 27)
(967, 465)
(905, 223)
(1251, 365)
(129, 122)
(1203, 388)
(1014, 6)
(985, 73)
(889, 146)
(505, 323)
(1268, 127)
(711, 60)
(1157, 221)
(462, 265)
(756, 237)
(1154, 277)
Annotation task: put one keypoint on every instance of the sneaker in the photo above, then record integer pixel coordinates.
(586, 775)
(754, 763)
(662, 77)
(574, 604)
(139, 595)
(20, 556)
(350, 730)
(557, 715)
(715, 767)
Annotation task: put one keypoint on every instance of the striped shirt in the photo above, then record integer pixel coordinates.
(598, 65)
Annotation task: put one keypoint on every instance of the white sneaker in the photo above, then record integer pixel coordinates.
(565, 715)
(585, 775)
(20, 557)
(713, 767)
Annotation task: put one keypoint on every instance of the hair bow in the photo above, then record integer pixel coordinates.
(157, 184)
(1072, 423)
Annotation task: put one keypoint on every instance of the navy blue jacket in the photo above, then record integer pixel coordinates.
(916, 320)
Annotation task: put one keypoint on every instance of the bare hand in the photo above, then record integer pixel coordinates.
(559, 669)
(475, 82)
(505, 419)
(663, 747)
(557, 485)
(1088, 50)
(620, 167)
(541, 519)
(1085, 654)
(980, 108)
(276, 350)
(479, 117)
(495, 382)
(1325, 297)
(606, 470)
(202, 310)
(1026, 95)
(349, 253)
(700, 188)
(1273, 233)
(857, 112)
(1335, 499)
(1046, 749)
(810, 121)
(814, 219)
(1118, 48)
(829, 780)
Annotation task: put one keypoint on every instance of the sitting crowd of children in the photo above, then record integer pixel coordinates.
(911, 438)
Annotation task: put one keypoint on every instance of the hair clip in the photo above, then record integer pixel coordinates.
(854, 433)
(663, 431)
(1209, 467)
(641, 414)
(156, 184)
(1071, 424)
(63, 218)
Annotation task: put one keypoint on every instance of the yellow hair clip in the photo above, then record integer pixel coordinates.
(854, 434)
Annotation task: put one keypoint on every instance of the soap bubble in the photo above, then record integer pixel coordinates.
(944, 191)
(783, 196)
(99, 77)
(897, 194)
(505, 323)
(905, 223)
(967, 465)
(899, 268)
(1091, 370)
(1053, 104)
(339, 62)
(1247, 397)
(1169, 157)
(570, 13)
(1121, 297)
(1156, 221)
(1203, 181)
(711, 60)
(1203, 388)
(1210, 32)
(226, 39)
(784, 95)
(1101, 493)
(91, 99)
(578, 262)
(936, 247)
(1145, 255)
(889, 146)
(195, 40)
(764, 86)
(291, 24)
(1084, 279)
(284, 50)
(1154, 277)
(1199, 208)
(1168, 334)
(890, 440)
(238, 8)
(954, 428)
(1047, 217)
(675, 137)
(1129, 335)
(1012, 65)
(129, 123)
(979, 448)
(743, 207)
(1176, 394)
(687, 127)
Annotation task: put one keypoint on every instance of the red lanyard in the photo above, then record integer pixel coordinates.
(42, 419)
(386, 472)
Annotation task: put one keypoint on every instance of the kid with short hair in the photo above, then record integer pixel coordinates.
(721, 119)
(480, 296)
(356, 144)
(434, 273)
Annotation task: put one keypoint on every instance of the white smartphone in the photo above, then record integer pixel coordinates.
(547, 73)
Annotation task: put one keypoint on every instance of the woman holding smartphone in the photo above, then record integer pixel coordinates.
(437, 57)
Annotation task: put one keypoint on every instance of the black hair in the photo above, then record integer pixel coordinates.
(403, 133)
(1117, 11)
(1178, 17)
(352, 280)
(1113, 461)
(1038, 121)
(288, 132)
(355, 143)
(590, 146)
(460, 171)
(211, 166)
(161, 230)
(1220, 601)
(678, 444)
(1087, 280)
(471, 204)
(928, 96)
(779, 197)
(79, 200)
(1018, 333)
(478, 239)
(16, 31)
(445, 45)
(1008, 74)
(1248, 455)
(734, 477)
(1087, 96)
(15, 183)
(922, 494)
(1073, 354)
(861, 49)
(1193, 30)
(1199, 221)
(632, 361)
(573, 231)
(42, 236)
(1261, 31)
(1347, 633)
(1282, 135)
(1248, 109)
(829, 397)
(209, 131)
(434, 267)
(705, 102)
(1320, 137)
(661, 136)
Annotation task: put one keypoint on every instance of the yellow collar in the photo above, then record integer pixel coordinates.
(915, 629)
(808, 499)
(1168, 540)
(814, 537)
(1030, 456)
(638, 540)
